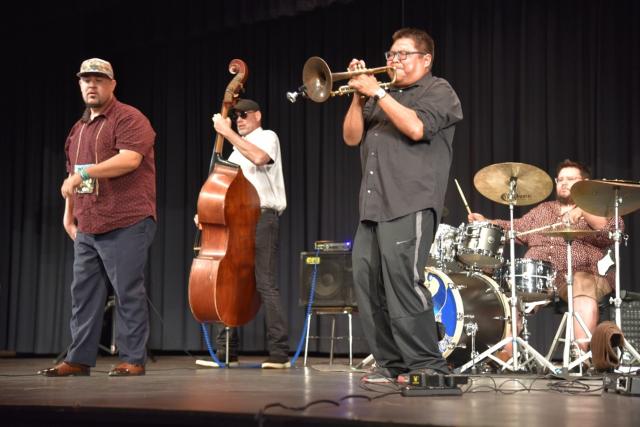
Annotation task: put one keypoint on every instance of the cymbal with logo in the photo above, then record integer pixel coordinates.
(598, 196)
(530, 183)
(570, 233)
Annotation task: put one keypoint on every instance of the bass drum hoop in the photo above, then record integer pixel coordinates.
(433, 279)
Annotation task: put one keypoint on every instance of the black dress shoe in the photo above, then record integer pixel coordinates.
(67, 369)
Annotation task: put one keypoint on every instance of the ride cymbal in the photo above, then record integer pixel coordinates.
(598, 196)
(532, 184)
(569, 233)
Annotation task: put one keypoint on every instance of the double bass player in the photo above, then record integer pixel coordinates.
(257, 152)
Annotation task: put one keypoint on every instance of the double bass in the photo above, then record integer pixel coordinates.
(222, 282)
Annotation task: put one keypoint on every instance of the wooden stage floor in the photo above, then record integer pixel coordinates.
(177, 392)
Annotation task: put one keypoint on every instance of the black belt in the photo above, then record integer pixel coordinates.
(264, 210)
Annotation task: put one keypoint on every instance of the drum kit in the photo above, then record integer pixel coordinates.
(479, 297)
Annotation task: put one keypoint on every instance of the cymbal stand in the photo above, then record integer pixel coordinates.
(566, 324)
(512, 364)
(617, 301)
(527, 359)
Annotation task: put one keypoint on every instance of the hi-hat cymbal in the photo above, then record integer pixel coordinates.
(532, 184)
(569, 233)
(598, 196)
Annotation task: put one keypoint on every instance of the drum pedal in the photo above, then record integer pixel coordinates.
(423, 384)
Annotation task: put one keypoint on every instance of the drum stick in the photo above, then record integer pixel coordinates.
(466, 205)
(533, 230)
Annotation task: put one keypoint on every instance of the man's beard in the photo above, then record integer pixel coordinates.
(565, 200)
(94, 104)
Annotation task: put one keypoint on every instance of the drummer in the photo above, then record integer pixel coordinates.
(589, 287)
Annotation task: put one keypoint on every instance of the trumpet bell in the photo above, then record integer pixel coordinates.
(317, 79)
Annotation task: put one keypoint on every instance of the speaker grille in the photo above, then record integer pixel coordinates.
(334, 279)
(630, 317)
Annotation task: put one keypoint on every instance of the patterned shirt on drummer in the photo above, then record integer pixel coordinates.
(585, 251)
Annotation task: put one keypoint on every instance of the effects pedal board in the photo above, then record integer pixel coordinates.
(422, 384)
(628, 385)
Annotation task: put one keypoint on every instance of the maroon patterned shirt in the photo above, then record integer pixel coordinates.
(585, 252)
(121, 201)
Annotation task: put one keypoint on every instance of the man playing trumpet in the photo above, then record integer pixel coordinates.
(405, 138)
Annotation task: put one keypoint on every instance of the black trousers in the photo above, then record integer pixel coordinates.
(395, 308)
(267, 232)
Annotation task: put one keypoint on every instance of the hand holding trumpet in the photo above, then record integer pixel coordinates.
(364, 84)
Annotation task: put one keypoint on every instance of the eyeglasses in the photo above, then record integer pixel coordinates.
(567, 179)
(241, 114)
(402, 54)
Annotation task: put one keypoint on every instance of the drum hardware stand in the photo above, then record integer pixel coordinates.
(514, 364)
(527, 358)
(566, 324)
(111, 305)
(471, 329)
(617, 301)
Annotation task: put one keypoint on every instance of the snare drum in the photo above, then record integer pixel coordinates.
(442, 254)
(480, 245)
(534, 279)
(462, 301)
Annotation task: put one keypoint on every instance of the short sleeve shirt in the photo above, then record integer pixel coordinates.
(267, 179)
(124, 200)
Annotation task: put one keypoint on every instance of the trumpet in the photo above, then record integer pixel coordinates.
(318, 79)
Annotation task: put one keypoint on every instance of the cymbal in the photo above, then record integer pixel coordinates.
(598, 196)
(532, 184)
(569, 233)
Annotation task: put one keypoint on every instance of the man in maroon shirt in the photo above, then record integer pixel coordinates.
(110, 214)
(589, 286)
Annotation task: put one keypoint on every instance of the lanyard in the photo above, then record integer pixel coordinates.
(95, 148)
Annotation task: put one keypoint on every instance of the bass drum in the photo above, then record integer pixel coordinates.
(461, 300)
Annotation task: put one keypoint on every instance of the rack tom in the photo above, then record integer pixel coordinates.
(442, 254)
(480, 245)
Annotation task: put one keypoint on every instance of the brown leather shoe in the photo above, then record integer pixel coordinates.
(125, 369)
(67, 369)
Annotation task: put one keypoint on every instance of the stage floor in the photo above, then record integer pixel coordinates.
(175, 391)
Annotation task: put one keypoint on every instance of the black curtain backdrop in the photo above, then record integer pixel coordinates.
(539, 81)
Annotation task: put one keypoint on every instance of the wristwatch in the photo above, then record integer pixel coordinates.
(380, 93)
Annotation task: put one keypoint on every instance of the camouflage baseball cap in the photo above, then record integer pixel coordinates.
(96, 66)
